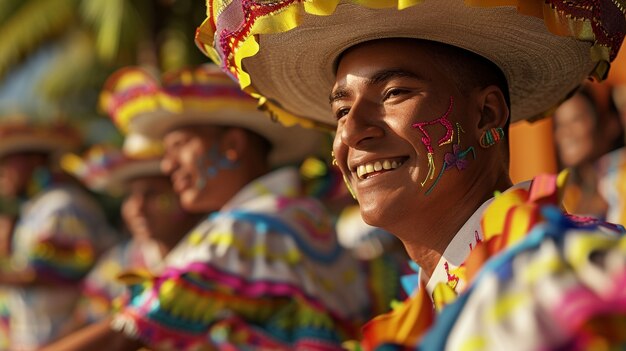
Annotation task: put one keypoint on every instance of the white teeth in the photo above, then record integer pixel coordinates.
(367, 168)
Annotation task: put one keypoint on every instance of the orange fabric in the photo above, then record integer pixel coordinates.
(404, 325)
(532, 150)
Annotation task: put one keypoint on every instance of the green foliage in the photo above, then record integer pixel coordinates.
(95, 38)
(28, 26)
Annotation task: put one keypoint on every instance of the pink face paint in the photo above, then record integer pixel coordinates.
(457, 158)
(443, 120)
(427, 141)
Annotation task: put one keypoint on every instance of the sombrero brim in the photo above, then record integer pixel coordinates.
(35, 143)
(289, 144)
(116, 180)
(294, 69)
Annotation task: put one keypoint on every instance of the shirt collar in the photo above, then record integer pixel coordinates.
(455, 254)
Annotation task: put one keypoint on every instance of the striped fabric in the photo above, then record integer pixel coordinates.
(266, 272)
(60, 234)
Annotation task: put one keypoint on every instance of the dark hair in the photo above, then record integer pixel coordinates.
(473, 70)
(261, 144)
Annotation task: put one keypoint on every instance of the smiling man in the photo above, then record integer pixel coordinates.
(421, 96)
(402, 105)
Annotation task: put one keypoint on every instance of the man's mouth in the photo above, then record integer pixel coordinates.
(374, 168)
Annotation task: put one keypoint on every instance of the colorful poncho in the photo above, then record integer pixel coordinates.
(101, 287)
(536, 279)
(264, 273)
(60, 234)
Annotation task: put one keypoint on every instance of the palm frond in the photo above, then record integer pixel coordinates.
(32, 23)
(72, 69)
(112, 19)
(7, 8)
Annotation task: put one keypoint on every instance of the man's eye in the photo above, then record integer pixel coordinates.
(393, 92)
(341, 112)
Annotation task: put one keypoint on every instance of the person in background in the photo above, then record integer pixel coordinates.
(151, 212)
(422, 94)
(54, 235)
(587, 127)
(380, 254)
(265, 270)
(612, 168)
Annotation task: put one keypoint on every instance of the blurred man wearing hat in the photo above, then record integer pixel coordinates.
(58, 232)
(264, 270)
(151, 212)
(421, 94)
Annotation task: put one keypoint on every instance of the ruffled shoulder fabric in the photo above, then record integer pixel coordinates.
(101, 286)
(59, 235)
(541, 279)
(268, 274)
(562, 287)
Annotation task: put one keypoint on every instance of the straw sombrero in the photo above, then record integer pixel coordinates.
(19, 134)
(134, 93)
(284, 52)
(192, 96)
(107, 169)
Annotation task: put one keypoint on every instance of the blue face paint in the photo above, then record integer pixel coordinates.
(216, 162)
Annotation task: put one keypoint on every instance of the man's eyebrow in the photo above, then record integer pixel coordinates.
(377, 78)
(338, 94)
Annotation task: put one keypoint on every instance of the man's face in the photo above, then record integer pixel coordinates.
(151, 209)
(193, 160)
(15, 173)
(574, 123)
(400, 118)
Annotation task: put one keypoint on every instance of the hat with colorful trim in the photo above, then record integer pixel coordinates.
(22, 134)
(132, 93)
(285, 52)
(104, 168)
(201, 95)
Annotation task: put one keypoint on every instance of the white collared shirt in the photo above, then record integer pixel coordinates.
(459, 249)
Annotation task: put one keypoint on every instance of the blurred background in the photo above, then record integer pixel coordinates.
(56, 54)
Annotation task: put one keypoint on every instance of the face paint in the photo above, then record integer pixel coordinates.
(216, 162)
(426, 140)
(456, 158)
(347, 182)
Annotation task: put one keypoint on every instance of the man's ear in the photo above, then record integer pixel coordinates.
(233, 143)
(494, 111)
